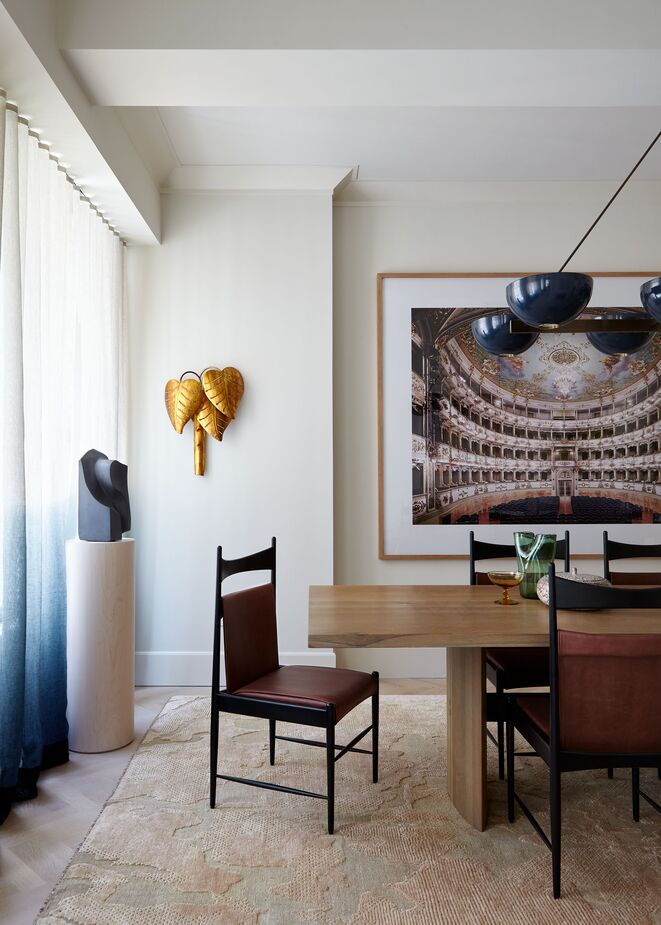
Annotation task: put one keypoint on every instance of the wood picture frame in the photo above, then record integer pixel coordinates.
(610, 294)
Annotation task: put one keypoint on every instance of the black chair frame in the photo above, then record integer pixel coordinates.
(480, 550)
(496, 705)
(274, 711)
(614, 550)
(571, 595)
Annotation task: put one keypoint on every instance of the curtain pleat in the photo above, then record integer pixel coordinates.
(61, 393)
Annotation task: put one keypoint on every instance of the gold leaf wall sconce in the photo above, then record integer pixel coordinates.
(210, 401)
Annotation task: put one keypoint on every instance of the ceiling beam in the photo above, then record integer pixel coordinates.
(392, 78)
(367, 24)
(91, 141)
(258, 179)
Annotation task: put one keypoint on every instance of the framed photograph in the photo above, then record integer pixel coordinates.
(561, 435)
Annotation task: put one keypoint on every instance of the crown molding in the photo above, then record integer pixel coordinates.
(257, 179)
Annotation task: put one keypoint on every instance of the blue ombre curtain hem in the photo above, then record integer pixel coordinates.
(33, 687)
(61, 392)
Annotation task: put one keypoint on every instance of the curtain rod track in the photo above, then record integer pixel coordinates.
(45, 146)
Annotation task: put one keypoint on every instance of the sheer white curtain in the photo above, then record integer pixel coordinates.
(62, 391)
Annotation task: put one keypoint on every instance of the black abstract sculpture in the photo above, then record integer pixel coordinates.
(103, 498)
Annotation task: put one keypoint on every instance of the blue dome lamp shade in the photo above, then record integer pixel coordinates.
(650, 296)
(549, 300)
(616, 343)
(492, 333)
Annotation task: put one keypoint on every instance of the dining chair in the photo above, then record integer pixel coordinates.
(256, 684)
(596, 714)
(615, 551)
(509, 668)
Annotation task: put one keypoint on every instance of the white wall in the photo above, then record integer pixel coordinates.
(452, 228)
(247, 280)
(241, 280)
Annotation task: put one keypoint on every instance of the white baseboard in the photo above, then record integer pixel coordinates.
(193, 669)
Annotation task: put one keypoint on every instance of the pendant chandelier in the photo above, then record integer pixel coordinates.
(650, 296)
(492, 333)
(554, 302)
(619, 343)
(548, 300)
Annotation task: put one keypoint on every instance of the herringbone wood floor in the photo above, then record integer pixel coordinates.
(40, 836)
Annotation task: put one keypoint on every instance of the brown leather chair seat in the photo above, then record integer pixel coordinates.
(537, 709)
(311, 686)
(523, 667)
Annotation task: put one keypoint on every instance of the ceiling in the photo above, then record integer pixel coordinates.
(397, 90)
(388, 91)
(421, 143)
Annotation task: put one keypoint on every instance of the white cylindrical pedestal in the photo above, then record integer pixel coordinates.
(100, 644)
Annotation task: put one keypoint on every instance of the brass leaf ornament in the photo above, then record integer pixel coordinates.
(182, 401)
(171, 392)
(210, 401)
(213, 421)
(224, 389)
(199, 448)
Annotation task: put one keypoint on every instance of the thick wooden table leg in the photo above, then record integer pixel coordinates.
(467, 748)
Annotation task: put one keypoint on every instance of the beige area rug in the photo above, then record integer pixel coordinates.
(401, 855)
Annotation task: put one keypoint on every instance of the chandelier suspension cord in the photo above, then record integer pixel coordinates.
(613, 198)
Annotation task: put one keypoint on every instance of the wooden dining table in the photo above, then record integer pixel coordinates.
(466, 620)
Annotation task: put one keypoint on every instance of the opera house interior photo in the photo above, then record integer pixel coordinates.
(561, 433)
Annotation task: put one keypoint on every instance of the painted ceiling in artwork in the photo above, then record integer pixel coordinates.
(559, 367)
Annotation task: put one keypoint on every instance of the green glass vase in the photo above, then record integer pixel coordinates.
(534, 553)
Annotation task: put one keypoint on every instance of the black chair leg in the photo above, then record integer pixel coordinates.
(272, 741)
(500, 702)
(635, 793)
(610, 773)
(213, 757)
(556, 825)
(330, 768)
(510, 770)
(375, 730)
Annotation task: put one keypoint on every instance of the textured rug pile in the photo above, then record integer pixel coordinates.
(401, 855)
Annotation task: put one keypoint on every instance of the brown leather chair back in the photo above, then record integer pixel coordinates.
(250, 635)
(609, 692)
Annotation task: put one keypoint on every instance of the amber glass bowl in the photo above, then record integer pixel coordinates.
(505, 580)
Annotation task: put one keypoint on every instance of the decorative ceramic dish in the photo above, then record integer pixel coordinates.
(574, 575)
